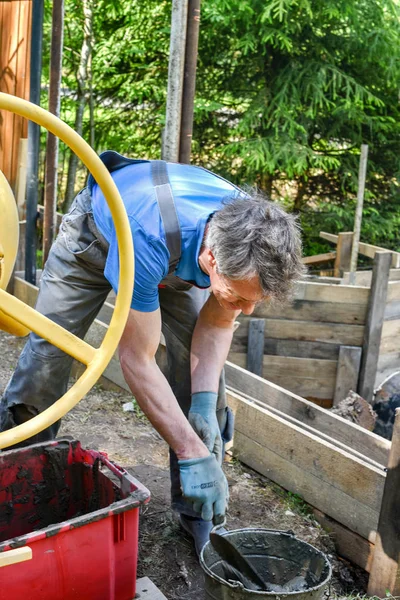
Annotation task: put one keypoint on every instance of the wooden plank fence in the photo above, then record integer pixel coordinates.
(15, 26)
(302, 340)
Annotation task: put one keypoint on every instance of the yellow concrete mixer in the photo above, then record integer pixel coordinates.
(19, 319)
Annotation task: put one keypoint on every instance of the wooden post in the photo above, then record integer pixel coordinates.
(20, 184)
(362, 173)
(255, 346)
(189, 80)
(374, 323)
(50, 197)
(385, 571)
(20, 262)
(348, 371)
(170, 146)
(343, 253)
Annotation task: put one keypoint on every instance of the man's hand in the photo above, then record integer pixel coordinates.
(204, 483)
(203, 419)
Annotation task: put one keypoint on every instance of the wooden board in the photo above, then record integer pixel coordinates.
(106, 313)
(312, 430)
(284, 366)
(385, 569)
(389, 361)
(295, 348)
(393, 293)
(373, 325)
(329, 237)
(363, 278)
(297, 479)
(25, 291)
(348, 370)
(365, 249)
(255, 344)
(318, 258)
(329, 333)
(306, 377)
(392, 310)
(350, 434)
(322, 292)
(323, 279)
(348, 544)
(320, 458)
(146, 590)
(324, 312)
(390, 340)
(343, 251)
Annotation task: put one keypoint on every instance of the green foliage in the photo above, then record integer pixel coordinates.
(287, 91)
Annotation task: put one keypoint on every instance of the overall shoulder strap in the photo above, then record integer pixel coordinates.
(166, 205)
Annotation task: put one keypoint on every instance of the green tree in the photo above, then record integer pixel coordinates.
(287, 90)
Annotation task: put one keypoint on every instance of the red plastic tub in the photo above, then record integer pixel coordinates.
(79, 514)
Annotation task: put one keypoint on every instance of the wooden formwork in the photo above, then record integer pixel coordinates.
(333, 337)
(339, 468)
(302, 341)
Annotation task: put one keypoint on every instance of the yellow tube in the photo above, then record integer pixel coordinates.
(102, 355)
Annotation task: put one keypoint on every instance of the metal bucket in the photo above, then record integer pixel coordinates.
(278, 557)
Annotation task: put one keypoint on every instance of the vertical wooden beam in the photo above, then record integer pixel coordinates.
(348, 371)
(362, 174)
(14, 78)
(343, 253)
(255, 346)
(20, 184)
(374, 323)
(385, 571)
(189, 80)
(171, 137)
(20, 262)
(50, 196)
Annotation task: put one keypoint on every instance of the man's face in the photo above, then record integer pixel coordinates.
(241, 295)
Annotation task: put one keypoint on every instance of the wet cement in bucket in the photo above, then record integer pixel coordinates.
(287, 565)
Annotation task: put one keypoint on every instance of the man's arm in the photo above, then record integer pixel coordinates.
(211, 341)
(137, 351)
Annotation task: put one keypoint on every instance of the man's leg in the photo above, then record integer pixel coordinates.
(72, 291)
(180, 309)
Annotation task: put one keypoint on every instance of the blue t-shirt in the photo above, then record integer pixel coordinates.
(198, 193)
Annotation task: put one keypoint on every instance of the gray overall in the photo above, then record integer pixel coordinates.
(72, 291)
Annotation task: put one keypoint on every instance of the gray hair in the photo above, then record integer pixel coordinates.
(251, 236)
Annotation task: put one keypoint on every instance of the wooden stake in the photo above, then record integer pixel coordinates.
(385, 571)
(20, 184)
(347, 372)
(374, 324)
(170, 146)
(343, 253)
(358, 218)
(255, 346)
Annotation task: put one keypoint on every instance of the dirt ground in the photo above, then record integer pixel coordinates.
(166, 554)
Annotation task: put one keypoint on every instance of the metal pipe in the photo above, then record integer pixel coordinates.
(50, 193)
(189, 80)
(170, 145)
(33, 142)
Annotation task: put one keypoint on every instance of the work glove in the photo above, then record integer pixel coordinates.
(203, 419)
(204, 484)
